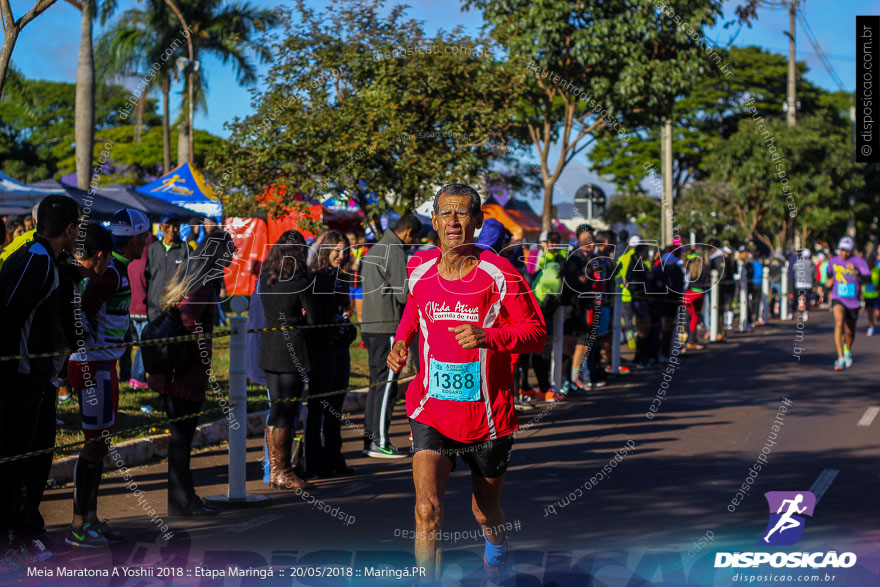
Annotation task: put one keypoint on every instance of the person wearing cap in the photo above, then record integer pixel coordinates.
(92, 373)
(846, 273)
(163, 259)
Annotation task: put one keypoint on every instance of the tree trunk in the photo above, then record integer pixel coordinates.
(166, 124)
(84, 125)
(139, 119)
(9, 40)
(546, 216)
(182, 142)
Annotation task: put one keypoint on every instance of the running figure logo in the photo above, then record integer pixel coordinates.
(786, 526)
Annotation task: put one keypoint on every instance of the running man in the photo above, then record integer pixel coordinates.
(785, 522)
(93, 374)
(846, 273)
(473, 310)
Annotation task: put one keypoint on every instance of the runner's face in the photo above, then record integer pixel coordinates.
(845, 254)
(453, 223)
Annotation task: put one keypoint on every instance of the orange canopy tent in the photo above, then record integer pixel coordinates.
(517, 222)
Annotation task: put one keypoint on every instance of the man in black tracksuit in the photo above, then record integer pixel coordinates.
(29, 323)
(163, 259)
(383, 269)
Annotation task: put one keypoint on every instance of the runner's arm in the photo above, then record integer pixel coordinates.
(409, 323)
(524, 330)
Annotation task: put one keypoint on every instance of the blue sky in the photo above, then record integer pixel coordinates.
(47, 49)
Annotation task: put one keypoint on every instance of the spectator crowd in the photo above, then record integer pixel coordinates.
(70, 284)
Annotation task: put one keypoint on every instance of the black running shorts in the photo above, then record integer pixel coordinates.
(487, 458)
(849, 314)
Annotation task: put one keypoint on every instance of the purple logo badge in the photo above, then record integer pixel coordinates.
(786, 526)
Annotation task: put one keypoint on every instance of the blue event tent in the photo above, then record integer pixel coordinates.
(186, 186)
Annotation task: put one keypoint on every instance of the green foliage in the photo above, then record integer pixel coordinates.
(351, 101)
(37, 125)
(800, 180)
(629, 59)
(131, 162)
(708, 112)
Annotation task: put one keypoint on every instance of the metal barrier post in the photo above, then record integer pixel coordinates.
(783, 294)
(765, 295)
(713, 309)
(556, 359)
(617, 326)
(237, 496)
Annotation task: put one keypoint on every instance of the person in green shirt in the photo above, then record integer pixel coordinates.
(20, 240)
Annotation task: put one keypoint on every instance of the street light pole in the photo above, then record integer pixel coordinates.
(791, 111)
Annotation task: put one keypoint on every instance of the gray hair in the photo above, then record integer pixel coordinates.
(459, 189)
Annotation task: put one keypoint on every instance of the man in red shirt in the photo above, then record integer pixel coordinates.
(473, 310)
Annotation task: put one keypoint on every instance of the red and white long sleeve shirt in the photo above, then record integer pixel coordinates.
(467, 394)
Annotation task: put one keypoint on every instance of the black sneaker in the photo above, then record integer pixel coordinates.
(39, 551)
(108, 532)
(86, 537)
(388, 451)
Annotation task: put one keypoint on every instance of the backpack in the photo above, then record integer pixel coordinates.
(167, 357)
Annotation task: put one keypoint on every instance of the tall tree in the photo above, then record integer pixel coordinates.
(710, 110)
(85, 86)
(225, 30)
(798, 181)
(12, 28)
(145, 44)
(593, 64)
(369, 107)
(38, 119)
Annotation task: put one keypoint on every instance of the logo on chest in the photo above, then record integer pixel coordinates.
(436, 311)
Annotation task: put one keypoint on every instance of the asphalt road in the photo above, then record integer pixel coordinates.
(671, 486)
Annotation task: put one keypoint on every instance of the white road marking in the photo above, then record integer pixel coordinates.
(823, 482)
(869, 416)
(251, 524)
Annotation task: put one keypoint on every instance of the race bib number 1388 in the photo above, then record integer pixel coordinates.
(455, 381)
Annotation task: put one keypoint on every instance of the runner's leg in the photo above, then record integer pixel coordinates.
(839, 312)
(486, 505)
(850, 327)
(430, 474)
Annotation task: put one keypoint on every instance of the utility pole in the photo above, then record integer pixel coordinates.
(666, 235)
(851, 221)
(791, 103)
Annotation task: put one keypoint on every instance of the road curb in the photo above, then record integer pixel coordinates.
(139, 451)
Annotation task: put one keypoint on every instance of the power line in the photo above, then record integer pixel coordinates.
(822, 57)
(834, 56)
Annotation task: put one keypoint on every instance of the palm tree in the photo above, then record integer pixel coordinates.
(141, 37)
(84, 120)
(133, 47)
(226, 31)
